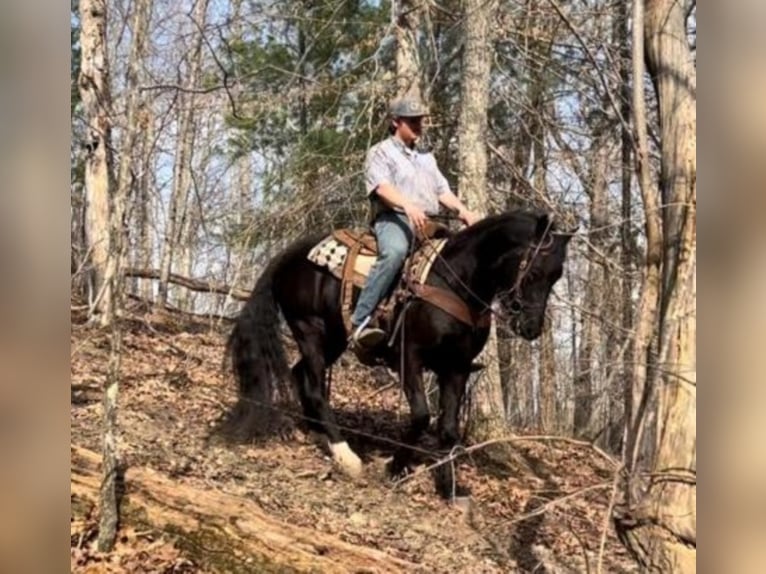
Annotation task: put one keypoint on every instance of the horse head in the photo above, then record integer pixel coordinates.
(531, 271)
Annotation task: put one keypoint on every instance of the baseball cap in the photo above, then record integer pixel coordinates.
(408, 107)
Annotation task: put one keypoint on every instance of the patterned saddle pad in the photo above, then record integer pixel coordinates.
(332, 253)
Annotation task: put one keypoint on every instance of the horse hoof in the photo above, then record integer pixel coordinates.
(346, 459)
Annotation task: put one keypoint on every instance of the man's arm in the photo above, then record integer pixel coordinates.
(390, 196)
(393, 198)
(451, 201)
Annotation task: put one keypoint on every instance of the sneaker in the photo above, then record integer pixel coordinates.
(368, 337)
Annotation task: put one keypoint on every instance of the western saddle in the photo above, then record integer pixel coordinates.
(350, 254)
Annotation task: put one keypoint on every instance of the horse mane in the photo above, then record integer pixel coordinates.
(517, 223)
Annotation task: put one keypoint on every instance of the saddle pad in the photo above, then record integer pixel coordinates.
(331, 253)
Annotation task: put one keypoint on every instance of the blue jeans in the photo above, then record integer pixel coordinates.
(394, 237)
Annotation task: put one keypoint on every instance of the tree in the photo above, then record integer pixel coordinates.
(93, 82)
(134, 130)
(104, 227)
(659, 526)
(77, 163)
(183, 155)
(487, 416)
(408, 68)
(588, 382)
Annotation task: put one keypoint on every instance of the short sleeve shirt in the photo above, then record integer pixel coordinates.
(413, 173)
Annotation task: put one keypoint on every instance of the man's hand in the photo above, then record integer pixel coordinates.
(468, 216)
(416, 216)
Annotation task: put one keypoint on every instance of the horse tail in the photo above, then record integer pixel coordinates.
(257, 358)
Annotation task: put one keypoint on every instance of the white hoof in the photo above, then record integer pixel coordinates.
(346, 458)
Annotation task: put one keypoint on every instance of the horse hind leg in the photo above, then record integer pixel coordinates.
(310, 382)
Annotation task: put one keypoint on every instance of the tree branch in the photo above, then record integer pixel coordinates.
(192, 284)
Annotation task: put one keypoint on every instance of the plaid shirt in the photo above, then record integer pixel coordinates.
(414, 174)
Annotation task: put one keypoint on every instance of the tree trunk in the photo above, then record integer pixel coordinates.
(544, 347)
(108, 500)
(519, 389)
(224, 533)
(183, 157)
(589, 381)
(133, 136)
(487, 410)
(622, 364)
(660, 529)
(93, 83)
(144, 246)
(408, 69)
(188, 245)
(638, 393)
(549, 421)
(627, 247)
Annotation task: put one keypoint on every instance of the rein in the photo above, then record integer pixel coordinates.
(530, 254)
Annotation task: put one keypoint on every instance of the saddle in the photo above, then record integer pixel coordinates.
(350, 253)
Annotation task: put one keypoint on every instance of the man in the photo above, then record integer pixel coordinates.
(405, 186)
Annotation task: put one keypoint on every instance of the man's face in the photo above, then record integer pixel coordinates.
(409, 129)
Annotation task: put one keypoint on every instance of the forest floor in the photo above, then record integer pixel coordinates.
(545, 512)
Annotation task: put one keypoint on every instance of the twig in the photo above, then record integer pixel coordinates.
(382, 389)
(607, 517)
(592, 58)
(582, 547)
(551, 503)
(468, 450)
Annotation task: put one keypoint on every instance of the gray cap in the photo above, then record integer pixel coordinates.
(408, 107)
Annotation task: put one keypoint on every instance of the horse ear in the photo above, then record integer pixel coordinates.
(568, 234)
(543, 226)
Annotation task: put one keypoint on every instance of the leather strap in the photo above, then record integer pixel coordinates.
(452, 304)
(351, 238)
(347, 283)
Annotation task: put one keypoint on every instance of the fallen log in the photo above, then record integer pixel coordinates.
(222, 532)
(192, 284)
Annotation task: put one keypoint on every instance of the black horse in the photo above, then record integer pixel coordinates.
(514, 258)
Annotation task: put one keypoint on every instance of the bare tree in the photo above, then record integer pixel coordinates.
(143, 200)
(488, 416)
(637, 394)
(96, 98)
(517, 357)
(628, 249)
(408, 68)
(659, 526)
(183, 155)
(547, 369)
(589, 379)
(133, 132)
(105, 228)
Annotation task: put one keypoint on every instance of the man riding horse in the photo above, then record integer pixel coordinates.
(405, 186)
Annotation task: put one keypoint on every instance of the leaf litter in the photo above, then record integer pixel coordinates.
(174, 391)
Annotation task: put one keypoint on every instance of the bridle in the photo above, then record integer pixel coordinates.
(527, 259)
(531, 252)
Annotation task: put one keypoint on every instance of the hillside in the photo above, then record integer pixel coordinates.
(174, 391)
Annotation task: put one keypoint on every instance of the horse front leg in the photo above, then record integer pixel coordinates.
(412, 381)
(451, 390)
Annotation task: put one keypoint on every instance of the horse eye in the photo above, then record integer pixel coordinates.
(515, 306)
